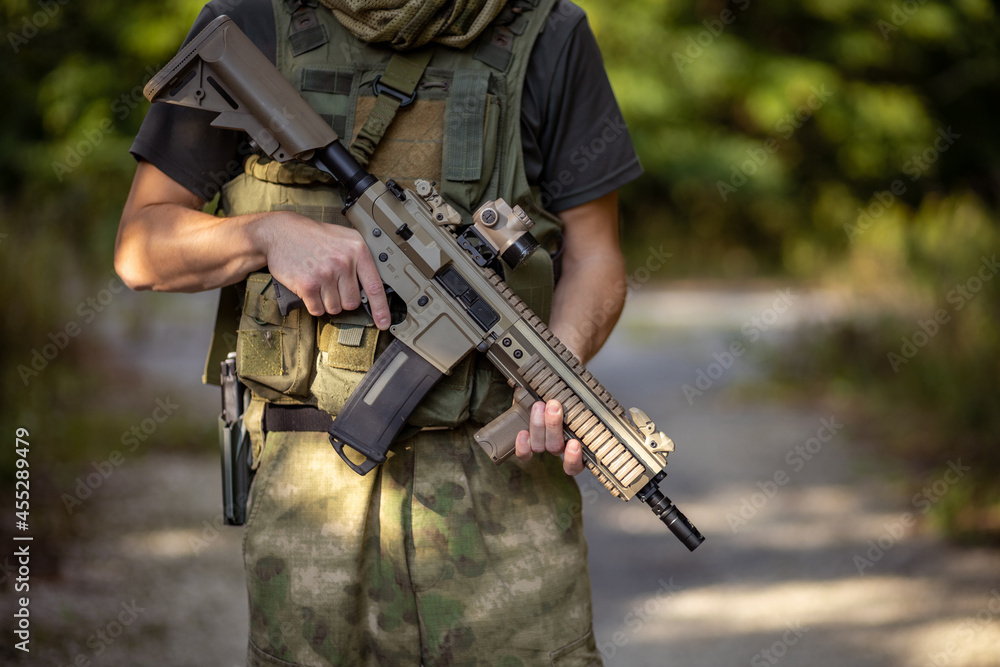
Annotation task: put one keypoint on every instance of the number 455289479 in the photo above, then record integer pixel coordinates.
(21, 493)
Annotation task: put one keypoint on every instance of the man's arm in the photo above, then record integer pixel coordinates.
(585, 307)
(166, 243)
(591, 292)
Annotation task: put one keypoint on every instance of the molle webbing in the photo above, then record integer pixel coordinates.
(465, 126)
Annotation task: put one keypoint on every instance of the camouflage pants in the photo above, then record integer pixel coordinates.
(437, 557)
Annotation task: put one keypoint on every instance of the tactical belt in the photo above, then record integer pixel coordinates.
(295, 418)
(306, 418)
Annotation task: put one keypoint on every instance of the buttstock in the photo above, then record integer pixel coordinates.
(221, 70)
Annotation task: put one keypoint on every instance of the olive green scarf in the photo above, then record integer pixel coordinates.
(409, 24)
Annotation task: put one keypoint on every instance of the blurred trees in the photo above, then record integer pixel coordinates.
(845, 142)
(73, 74)
(764, 127)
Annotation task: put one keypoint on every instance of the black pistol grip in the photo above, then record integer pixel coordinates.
(286, 298)
(379, 406)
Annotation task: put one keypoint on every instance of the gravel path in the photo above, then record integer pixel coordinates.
(810, 559)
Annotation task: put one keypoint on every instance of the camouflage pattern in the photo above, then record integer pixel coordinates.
(437, 557)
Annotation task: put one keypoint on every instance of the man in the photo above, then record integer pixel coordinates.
(437, 556)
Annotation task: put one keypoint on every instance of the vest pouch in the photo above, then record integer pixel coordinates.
(347, 346)
(274, 353)
(472, 128)
(349, 343)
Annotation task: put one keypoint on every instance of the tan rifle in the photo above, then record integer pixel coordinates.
(455, 303)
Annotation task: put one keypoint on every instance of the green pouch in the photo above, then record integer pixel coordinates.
(274, 353)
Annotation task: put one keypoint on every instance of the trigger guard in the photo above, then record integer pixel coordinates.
(395, 318)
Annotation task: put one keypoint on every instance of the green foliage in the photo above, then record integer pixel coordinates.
(73, 75)
(845, 142)
(847, 92)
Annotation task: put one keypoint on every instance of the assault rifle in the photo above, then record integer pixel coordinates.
(440, 268)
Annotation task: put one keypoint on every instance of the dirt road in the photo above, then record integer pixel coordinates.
(810, 559)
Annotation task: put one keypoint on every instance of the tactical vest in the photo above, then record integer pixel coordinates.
(445, 115)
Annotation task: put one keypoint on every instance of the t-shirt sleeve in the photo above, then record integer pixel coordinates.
(576, 145)
(180, 141)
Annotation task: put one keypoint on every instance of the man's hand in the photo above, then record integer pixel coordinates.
(166, 243)
(593, 281)
(323, 265)
(546, 435)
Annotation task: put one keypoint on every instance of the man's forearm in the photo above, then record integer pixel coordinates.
(587, 304)
(591, 292)
(188, 251)
(166, 243)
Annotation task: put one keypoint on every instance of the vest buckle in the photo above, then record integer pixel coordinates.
(404, 101)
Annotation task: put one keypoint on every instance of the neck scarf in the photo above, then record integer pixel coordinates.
(409, 24)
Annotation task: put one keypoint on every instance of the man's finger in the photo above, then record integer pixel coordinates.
(554, 427)
(350, 292)
(331, 299)
(522, 446)
(573, 458)
(536, 427)
(314, 304)
(371, 283)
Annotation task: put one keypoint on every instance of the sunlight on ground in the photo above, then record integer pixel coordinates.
(850, 608)
(770, 607)
(171, 543)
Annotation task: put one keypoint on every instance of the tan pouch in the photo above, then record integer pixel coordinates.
(274, 353)
(347, 346)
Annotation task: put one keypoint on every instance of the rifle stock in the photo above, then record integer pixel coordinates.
(454, 303)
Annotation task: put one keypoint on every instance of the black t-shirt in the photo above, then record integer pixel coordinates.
(576, 147)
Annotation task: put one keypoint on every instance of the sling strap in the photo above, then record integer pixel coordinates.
(395, 88)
